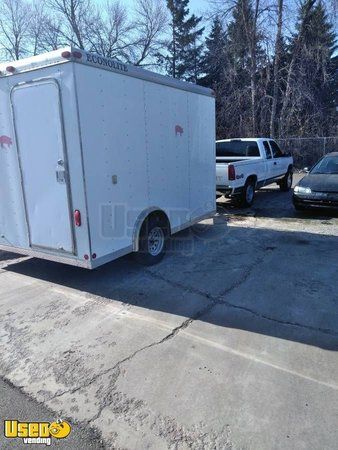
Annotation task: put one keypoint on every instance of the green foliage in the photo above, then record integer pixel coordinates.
(182, 58)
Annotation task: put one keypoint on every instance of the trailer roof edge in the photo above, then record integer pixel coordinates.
(73, 54)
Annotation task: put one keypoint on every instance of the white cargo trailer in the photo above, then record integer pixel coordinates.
(99, 159)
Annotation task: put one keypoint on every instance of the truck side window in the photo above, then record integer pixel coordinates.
(267, 150)
(276, 151)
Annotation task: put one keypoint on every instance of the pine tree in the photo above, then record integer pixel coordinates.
(307, 104)
(239, 31)
(183, 59)
(214, 58)
(245, 54)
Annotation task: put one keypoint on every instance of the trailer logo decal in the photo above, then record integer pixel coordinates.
(106, 62)
(5, 140)
(179, 130)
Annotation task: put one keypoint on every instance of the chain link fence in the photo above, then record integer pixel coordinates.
(307, 151)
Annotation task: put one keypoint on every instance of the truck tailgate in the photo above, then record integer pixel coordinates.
(222, 174)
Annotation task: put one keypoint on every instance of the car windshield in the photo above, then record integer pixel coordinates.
(327, 166)
(237, 148)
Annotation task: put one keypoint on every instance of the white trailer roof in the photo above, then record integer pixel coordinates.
(72, 54)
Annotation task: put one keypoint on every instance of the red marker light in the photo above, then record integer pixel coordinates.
(66, 54)
(94, 255)
(231, 172)
(77, 55)
(10, 69)
(77, 218)
(86, 257)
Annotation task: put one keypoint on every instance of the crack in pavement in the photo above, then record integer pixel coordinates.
(219, 300)
(179, 328)
(213, 301)
(169, 336)
(185, 324)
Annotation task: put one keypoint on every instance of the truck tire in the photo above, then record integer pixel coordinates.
(153, 241)
(247, 196)
(286, 183)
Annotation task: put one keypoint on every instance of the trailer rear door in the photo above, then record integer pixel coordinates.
(37, 116)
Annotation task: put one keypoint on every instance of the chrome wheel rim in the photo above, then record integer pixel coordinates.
(155, 241)
(249, 193)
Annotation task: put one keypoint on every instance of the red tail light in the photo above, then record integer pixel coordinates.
(66, 54)
(77, 218)
(10, 69)
(231, 172)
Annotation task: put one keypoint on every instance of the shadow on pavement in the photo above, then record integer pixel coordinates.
(272, 203)
(276, 283)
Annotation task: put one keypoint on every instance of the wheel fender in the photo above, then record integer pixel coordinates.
(139, 222)
(251, 177)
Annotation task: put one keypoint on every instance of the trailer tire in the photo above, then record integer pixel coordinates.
(247, 196)
(286, 183)
(153, 240)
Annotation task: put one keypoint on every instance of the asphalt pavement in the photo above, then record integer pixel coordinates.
(230, 343)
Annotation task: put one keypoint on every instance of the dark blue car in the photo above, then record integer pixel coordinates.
(319, 188)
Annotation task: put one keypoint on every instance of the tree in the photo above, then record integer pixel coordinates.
(305, 107)
(75, 15)
(276, 67)
(245, 52)
(181, 60)
(108, 31)
(15, 16)
(214, 58)
(151, 20)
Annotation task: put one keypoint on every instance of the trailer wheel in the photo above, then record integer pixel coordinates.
(153, 240)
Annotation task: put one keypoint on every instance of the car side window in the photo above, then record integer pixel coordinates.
(276, 151)
(267, 150)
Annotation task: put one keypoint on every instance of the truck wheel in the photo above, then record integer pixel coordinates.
(248, 195)
(153, 241)
(286, 184)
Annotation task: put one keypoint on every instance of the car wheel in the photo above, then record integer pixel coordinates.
(286, 183)
(153, 241)
(248, 195)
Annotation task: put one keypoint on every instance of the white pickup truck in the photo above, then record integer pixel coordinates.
(245, 165)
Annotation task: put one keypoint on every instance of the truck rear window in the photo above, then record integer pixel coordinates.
(237, 148)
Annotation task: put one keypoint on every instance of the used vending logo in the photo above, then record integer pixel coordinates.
(5, 140)
(36, 432)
